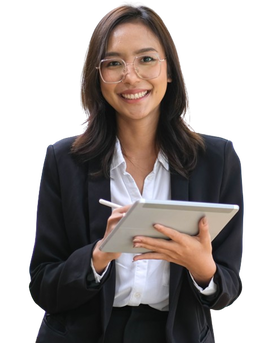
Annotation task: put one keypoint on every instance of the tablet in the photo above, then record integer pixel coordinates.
(179, 215)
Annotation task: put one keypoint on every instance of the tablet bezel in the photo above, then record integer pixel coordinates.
(179, 215)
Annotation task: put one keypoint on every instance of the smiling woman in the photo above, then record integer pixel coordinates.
(136, 145)
(127, 36)
(144, 75)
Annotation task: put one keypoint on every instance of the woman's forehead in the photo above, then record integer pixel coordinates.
(134, 37)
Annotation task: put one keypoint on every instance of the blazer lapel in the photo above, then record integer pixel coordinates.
(179, 191)
(98, 215)
(179, 187)
(98, 188)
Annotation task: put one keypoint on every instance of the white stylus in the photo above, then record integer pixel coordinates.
(109, 203)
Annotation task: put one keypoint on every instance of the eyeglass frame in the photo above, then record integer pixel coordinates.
(125, 68)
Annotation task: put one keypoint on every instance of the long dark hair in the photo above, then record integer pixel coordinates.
(174, 138)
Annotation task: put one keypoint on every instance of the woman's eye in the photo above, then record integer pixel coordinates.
(113, 64)
(147, 59)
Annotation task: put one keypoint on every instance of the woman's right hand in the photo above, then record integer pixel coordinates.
(101, 259)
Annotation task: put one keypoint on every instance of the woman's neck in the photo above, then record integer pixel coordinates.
(138, 138)
(138, 144)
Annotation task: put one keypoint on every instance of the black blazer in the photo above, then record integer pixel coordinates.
(70, 221)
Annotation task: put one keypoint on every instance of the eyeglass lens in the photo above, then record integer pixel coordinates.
(145, 66)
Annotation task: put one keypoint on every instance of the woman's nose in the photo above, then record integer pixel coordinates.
(130, 73)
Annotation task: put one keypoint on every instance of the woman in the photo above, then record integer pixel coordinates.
(136, 145)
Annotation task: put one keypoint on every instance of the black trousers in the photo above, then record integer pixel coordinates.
(139, 324)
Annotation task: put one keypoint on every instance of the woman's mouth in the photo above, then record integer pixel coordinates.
(134, 95)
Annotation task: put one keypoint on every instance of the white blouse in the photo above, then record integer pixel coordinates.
(146, 281)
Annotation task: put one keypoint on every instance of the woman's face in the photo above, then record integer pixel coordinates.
(135, 98)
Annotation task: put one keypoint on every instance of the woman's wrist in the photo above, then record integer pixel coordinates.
(100, 259)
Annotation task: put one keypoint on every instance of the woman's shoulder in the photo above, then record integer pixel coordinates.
(218, 148)
(215, 144)
(213, 140)
(61, 151)
(64, 145)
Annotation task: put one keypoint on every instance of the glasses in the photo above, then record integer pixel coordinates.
(114, 70)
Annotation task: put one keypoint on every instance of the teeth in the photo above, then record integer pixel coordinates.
(134, 96)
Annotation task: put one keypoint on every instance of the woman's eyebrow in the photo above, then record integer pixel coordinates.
(140, 51)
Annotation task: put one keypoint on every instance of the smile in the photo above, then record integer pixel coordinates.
(134, 96)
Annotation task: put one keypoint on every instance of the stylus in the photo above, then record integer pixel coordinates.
(109, 203)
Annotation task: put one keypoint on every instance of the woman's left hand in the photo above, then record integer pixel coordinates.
(191, 252)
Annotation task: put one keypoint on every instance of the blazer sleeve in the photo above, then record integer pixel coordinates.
(227, 246)
(61, 274)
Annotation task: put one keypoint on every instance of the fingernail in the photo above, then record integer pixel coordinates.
(204, 221)
(136, 240)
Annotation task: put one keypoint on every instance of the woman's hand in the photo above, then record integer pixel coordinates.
(192, 252)
(101, 259)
